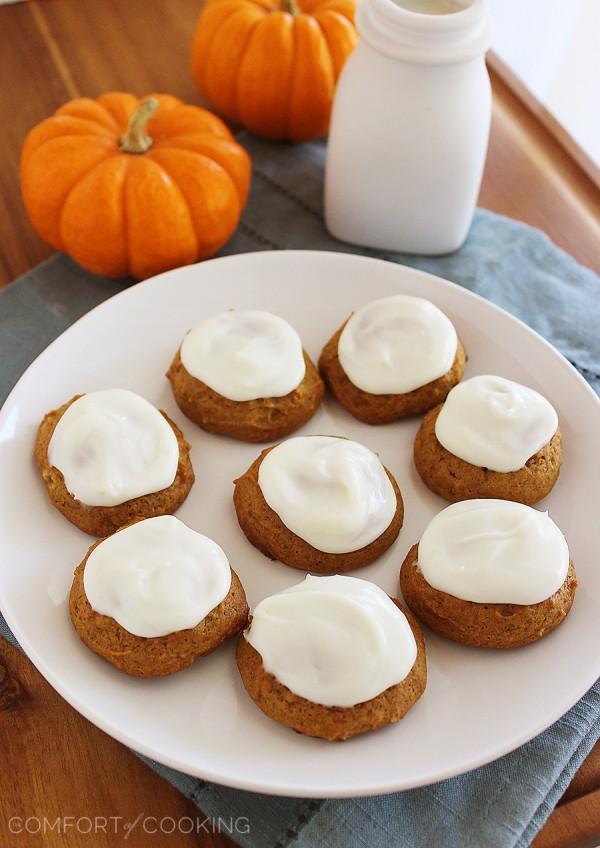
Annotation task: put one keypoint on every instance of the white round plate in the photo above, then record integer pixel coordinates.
(478, 705)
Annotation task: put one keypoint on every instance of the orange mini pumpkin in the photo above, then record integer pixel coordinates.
(272, 66)
(133, 187)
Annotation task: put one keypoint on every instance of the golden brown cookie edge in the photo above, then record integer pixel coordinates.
(332, 723)
(455, 479)
(101, 521)
(483, 625)
(164, 655)
(261, 420)
(383, 409)
(260, 524)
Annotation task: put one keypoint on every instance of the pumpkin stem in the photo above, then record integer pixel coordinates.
(291, 6)
(135, 139)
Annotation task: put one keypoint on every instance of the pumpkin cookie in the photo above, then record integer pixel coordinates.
(492, 439)
(394, 357)
(490, 573)
(244, 374)
(108, 457)
(310, 659)
(159, 624)
(319, 503)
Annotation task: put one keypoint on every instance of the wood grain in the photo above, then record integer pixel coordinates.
(55, 764)
(531, 177)
(541, 114)
(572, 824)
(53, 761)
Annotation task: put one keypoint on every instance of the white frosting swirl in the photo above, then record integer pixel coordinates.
(156, 577)
(334, 493)
(245, 355)
(397, 344)
(494, 552)
(336, 641)
(495, 423)
(112, 446)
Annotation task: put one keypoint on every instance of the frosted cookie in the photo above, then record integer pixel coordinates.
(154, 596)
(319, 503)
(244, 374)
(393, 357)
(108, 457)
(333, 657)
(490, 573)
(492, 438)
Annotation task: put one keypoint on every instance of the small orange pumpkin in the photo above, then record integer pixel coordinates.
(133, 187)
(272, 65)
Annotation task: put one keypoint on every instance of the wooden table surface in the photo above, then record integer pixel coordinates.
(55, 763)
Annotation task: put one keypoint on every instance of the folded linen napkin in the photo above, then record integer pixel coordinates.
(503, 804)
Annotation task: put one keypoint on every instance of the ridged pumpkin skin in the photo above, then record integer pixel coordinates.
(271, 70)
(122, 214)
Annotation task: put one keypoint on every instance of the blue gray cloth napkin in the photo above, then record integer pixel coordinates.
(503, 804)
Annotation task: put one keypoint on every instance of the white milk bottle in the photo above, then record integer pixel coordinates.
(410, 126)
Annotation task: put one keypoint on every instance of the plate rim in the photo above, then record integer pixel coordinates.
(263, 785)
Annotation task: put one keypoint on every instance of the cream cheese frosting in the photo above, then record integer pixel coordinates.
(335, 640)
(156, 577)
(245, 355)
(495, 423)
(334, 493)
(112, 446)
(397, 344)
(494, 551)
